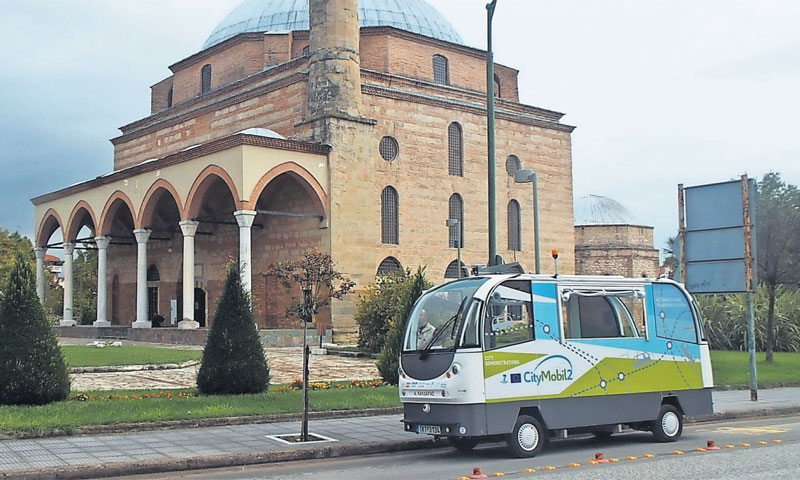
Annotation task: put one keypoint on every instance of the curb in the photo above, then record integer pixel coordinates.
(301, 453)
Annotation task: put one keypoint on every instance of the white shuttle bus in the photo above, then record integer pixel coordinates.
(523, 357)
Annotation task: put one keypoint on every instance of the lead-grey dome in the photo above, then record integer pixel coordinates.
(286, 15)
(597, 210)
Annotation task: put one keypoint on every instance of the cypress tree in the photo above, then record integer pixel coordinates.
(32, 368)
(233, 360)
(389, 358)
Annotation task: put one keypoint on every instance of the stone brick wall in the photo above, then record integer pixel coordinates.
(625, 250)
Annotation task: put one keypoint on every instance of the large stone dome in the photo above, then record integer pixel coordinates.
(598, 210)
(286, 15)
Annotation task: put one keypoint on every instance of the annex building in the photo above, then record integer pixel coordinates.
(353, 127)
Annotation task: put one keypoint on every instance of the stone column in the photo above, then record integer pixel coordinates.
(67, 320)
(102, 296)
(189, 229)
(245, 219)
(39, 252)
(142, 236)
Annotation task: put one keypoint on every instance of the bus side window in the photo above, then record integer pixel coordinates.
(602, 315)
(471, 335)
(509, 316)
(674, 314)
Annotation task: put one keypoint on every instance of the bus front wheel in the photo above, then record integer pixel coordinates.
(528, 437)
(668, 426)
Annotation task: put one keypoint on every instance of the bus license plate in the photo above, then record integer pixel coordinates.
(424, 393)
(430, 429)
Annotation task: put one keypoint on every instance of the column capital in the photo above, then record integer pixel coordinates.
(68, 248)
(189, 227)
(142, 235)
(39, 252)
(245, 218)
(102, 242)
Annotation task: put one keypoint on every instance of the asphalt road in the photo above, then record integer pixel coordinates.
(772, 460)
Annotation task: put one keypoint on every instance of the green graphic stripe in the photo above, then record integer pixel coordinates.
(499, 362)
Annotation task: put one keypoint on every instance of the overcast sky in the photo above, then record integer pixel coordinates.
(662, 92)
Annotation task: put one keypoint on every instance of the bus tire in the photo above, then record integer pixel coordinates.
(668, 426)
(528, 437)
(463, 444)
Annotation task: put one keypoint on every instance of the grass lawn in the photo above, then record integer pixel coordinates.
(69, 414)
(80, 356)
(732, 369)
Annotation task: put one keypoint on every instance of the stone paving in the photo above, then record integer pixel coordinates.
(285, 365)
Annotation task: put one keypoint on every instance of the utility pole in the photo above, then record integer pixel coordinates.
(490, 131)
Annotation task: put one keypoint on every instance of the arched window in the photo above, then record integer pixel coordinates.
(452, 270)
(455, 149)
(169, 98)
(205, 79)
(497, 86)
(389, 265)
(441, 71)
(512, 165)
(306, 50)
(456, 212)
(514, 236)
(389, 217)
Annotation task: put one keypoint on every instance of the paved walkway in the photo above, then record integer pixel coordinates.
(186, 448)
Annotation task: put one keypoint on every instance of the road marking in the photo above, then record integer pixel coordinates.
(751, 430)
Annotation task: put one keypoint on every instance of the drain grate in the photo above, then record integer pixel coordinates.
(294, 438)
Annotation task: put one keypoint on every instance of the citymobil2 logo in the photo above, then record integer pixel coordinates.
(555, 368)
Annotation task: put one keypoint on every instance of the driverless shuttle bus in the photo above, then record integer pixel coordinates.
(527, 356)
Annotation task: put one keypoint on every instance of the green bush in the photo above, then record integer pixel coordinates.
(233, 360)
(32, 368)
(378, 306)
(88, 316)
(725, 320)
(388, 360)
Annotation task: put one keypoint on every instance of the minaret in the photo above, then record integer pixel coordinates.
(334, 79)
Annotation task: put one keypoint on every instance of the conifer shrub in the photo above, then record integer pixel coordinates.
(389, 358)
(233, 359)
(32, 368)
(378, 306)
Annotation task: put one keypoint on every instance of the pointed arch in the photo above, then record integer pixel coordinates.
(51, 222)
(77, 220)
(307, 180)
(149, 203)
(110, 208)
(200, 186)
(452, 270)
(389, 265)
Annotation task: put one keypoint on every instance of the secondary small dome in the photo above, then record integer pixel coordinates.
(598, 210)
(287, 15)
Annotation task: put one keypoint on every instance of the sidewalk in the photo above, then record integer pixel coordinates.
(94, 456)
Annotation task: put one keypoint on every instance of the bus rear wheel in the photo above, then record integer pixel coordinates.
(463, 444)
(528, 437)
(668, 426)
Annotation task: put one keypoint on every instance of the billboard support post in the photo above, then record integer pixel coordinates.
(748, 272)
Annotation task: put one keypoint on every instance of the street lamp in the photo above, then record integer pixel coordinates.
(528, 176)
(453, 222)
(308, 317)
(490, 134)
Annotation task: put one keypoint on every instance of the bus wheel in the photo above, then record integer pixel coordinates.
(463, 444)
(668, 426)
(527, 438)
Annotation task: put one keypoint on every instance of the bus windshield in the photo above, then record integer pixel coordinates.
(436, 319)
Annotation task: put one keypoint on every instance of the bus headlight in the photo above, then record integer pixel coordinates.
(456, 368)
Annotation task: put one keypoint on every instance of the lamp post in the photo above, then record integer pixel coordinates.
(308, 306)
(490, 133)
(528, 176)
(453, 222)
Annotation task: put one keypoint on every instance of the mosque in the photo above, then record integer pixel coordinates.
(354, 127)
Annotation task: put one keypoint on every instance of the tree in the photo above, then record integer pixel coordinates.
(84, 293)
(670, 259)
(390, 355)
(378, 306)
(233, 359)
(777, 242)
(10, 244)
(32, 368)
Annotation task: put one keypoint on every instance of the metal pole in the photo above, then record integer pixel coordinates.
(458, 249)
(490, 131)
(681, 233)
(536, 222)
(748, 274)
(306, 319)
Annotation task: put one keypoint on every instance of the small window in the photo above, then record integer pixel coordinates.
(455, 149)
(441, 70)
(306, 50)
(601, 314)
(452, 270)
(674, 318)
(509, 316)
(205, 79)
(512, 165)
(389, 216)
(514, 236)
(456, 212)
(388, 148)
(497, 86)
(169, 98)
(388, 266)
